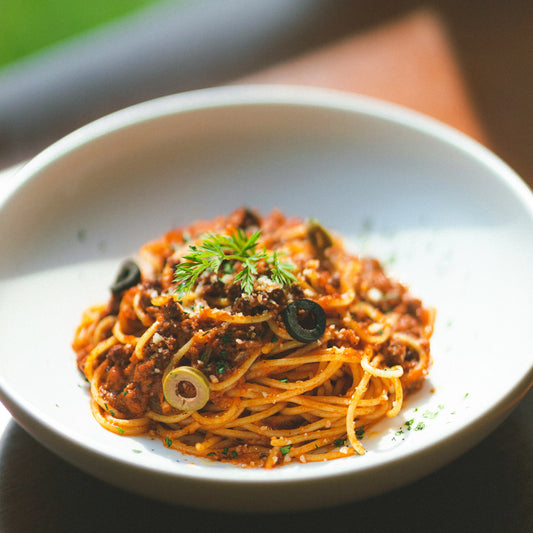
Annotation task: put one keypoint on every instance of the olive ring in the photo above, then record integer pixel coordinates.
(128, 276)
(295, 328)
(198, 388)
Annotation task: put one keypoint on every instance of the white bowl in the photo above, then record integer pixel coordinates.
(447, 216)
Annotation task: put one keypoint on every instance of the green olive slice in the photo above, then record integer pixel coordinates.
(318, 236)
(186, 388)
(305, 320)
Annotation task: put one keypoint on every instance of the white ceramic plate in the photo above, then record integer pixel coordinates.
(447, 216)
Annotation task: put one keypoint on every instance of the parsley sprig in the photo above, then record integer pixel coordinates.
(217, 251)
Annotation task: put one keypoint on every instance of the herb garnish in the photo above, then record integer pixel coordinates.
(285, 449)
(217, 250)
(222, 366)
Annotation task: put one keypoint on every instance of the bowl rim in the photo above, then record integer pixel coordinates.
(253, 95)
(272, 95)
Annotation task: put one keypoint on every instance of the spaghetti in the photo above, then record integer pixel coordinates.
(220, 358)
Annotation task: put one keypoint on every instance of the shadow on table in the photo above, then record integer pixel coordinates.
(488, 489)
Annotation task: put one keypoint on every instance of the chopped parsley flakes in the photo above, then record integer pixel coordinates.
(222, 366)
(285, 449)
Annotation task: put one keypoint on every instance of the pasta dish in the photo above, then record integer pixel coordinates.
(256, 340)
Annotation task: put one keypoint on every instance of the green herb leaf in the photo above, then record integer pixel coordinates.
(281, 270)
(285, 449)
(218, 252)
(227, 267)
(222, 366)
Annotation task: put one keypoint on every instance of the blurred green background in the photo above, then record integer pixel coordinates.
(27, 26)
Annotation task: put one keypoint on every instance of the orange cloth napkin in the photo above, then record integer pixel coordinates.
(409, 61)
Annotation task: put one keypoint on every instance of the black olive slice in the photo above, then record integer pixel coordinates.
(305, 320)
(249, 219)
(128, 276)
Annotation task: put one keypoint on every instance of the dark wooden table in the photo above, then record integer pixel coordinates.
(482, 53)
